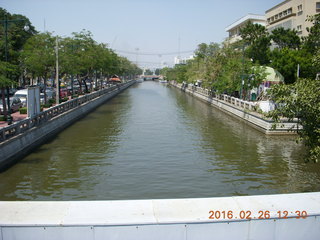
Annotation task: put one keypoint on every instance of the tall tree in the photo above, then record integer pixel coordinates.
(38, 57)
(17, 35)
(286, 38)
(257, 41)
(312, 41)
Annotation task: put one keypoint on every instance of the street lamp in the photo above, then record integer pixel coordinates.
(6, 53)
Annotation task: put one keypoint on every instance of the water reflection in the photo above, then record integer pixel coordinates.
(154, 141)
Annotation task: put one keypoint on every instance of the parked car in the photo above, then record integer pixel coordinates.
(15, 104)
(22, 94)
(63, 92)
(51, 93)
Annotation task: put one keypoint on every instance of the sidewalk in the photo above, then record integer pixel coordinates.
(16, 117)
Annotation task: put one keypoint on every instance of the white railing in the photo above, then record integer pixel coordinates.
(282, 216)
(222, 97)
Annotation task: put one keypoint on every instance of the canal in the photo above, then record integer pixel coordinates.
(153, 141)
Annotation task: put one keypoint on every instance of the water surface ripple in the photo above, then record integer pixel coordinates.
(153, 141)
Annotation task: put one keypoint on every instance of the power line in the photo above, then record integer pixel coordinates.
(153, 54)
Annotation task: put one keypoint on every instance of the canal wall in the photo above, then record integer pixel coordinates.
(241, 109)
(269, 217)
(21, 137)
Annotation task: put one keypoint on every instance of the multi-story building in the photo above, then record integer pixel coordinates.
(235, 28)
(292, 14)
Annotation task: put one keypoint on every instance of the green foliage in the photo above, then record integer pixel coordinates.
(301, 100)
(51, 101)
(206, 50)
(312, 41)
(6, 69)
(286, 38)
(38, 55)
(257, 40)
(46, 105)
(17, 36)
(148, 72)
(286, 61)
(23, 110)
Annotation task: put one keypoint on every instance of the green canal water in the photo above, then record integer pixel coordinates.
(153, 141)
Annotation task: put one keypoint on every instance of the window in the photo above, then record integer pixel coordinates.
(299, 29)
(300, 8)
(289, 10)
(318, 6)
(276, 17)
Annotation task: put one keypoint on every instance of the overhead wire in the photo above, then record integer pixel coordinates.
(153, 54)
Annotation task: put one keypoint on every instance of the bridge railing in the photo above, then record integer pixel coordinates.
(46, 115)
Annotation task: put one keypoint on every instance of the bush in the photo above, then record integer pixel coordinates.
(51, 101)
(63, 99)
(23, 110)
(2, 118)
(46, 105)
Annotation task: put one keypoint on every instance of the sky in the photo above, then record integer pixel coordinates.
(135, 28)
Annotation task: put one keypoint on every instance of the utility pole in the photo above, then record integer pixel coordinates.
(57, 72)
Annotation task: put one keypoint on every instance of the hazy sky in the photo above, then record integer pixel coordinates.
(152, 26)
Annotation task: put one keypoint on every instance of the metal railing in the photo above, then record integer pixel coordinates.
(44, 116)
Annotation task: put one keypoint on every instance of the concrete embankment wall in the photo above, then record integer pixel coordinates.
(37, 130)
(242, 110)
(266, 217)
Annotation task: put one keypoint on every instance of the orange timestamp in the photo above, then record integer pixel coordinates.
(263, 214)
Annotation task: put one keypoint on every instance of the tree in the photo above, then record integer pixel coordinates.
(312, 41)
(257, 41)
(301, 100)
(38, 56)
(5, 69)
(148, 72)
(286, 38)
(288, 61)
(16, 35)
(206, 50)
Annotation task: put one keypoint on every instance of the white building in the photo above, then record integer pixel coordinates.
(235, 28)
(182, 60)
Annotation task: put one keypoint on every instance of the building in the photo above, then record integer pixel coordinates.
(182, 60)
(235, 28)
(292, 14)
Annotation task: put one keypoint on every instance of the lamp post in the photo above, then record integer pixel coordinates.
(6, 53)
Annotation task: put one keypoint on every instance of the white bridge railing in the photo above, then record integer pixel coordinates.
(266, 217)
